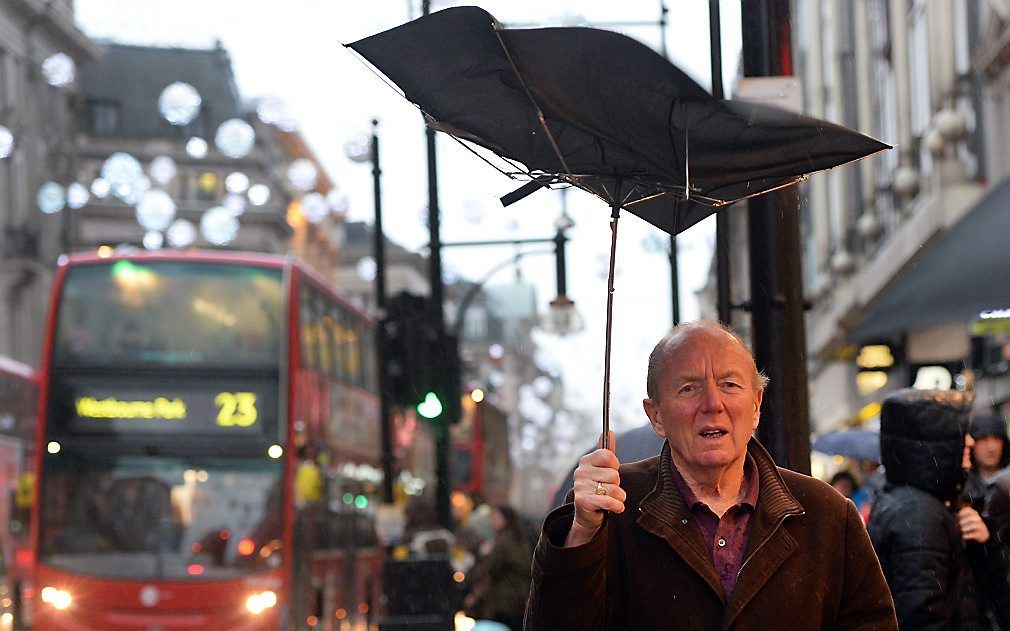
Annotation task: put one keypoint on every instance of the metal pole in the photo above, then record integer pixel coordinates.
(724, 307)
(674, 270)
(442, 478)
(379, 247)
(777, 327)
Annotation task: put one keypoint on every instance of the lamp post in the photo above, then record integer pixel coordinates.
(356, 153)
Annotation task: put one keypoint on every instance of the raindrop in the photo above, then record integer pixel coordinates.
(196, 147)
(156, 210)
(236, 182)
(179, 103)
(100, 188)
(449, 277)
(367, 269)
(259, 194)
(235, 138)
(496, 351)
(314, 207)
(181, 234)
(77, 195)
(219, 226)
(6, 142)
(162, 169)
(153, 240)
(51, 198)
(59, 70)
(337, 201)
(302, 174)
(271, 110)
(235, 203)
(122, 172)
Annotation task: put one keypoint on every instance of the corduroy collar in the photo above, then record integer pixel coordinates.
(774, 499)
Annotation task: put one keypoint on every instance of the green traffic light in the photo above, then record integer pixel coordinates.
(431, 407)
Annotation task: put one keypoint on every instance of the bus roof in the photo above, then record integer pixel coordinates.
(205, 256)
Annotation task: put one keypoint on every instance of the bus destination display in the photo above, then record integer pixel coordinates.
(207, 408)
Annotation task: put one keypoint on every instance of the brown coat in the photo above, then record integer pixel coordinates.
(808, 562)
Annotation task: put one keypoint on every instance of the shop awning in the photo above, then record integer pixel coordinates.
(964, 272)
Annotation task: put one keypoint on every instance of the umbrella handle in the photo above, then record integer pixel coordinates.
(615, 208)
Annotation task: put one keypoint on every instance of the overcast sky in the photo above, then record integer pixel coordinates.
(292, 50)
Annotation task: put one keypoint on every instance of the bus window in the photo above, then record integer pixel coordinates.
(167, 312)
(339, 337)
(307, 317)
(351, 352)
(324, 327)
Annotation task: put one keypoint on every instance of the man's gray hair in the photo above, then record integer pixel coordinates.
(662, 349)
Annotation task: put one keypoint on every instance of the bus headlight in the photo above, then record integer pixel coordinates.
(258, 603)
(58, 598)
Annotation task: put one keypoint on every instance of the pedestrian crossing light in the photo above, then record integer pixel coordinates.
(431, 407)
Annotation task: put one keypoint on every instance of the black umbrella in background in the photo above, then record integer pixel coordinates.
(600, 111)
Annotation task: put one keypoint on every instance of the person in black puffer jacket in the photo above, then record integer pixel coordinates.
(913, 527)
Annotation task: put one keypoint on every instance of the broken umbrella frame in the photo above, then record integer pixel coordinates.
(597, 110)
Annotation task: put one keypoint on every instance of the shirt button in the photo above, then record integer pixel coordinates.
(683, 521)
(722, 542)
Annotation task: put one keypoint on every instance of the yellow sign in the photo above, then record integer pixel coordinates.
(875, 356)
(238, 409)
(111, 407)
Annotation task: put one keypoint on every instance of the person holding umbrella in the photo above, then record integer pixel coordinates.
(710, 533)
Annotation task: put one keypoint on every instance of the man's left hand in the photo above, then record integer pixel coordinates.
(972, 526)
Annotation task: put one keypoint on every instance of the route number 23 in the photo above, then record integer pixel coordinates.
(237, 409)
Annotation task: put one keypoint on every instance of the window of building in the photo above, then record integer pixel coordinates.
(104, 117)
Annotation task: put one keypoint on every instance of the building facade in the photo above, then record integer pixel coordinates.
(903, 284)
(42, 120)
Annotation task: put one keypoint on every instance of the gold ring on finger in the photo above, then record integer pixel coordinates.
(600, 489)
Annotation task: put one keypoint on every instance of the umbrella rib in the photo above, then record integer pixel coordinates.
(529, 95)
(491, 164)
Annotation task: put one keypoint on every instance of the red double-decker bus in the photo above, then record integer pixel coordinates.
(208, 447)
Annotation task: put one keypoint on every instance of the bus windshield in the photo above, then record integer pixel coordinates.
(158, 517)
(169, 313)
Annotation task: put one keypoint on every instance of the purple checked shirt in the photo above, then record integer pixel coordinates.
(726, 538)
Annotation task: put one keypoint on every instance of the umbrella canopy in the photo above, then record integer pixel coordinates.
(603, 112)
(598, 110)
(859, 444)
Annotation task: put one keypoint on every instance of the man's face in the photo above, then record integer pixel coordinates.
(988, 451)
(707, 404)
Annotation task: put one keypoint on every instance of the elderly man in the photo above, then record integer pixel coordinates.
(710, 534)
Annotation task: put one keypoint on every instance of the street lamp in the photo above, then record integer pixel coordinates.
(366, 150)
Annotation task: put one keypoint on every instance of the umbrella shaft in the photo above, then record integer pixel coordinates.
(610, 323)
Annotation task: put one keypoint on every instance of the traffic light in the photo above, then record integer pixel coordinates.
(422, 365)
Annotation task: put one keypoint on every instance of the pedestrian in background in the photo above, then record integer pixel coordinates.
(500, 578)
(917, 526)
(989, 561)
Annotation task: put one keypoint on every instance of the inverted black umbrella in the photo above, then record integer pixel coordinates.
(600, 111)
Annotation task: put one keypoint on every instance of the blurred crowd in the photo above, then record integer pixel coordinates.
(489, 553)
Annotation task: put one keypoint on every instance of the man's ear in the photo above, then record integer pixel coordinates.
(652, 411)
(757, 408)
